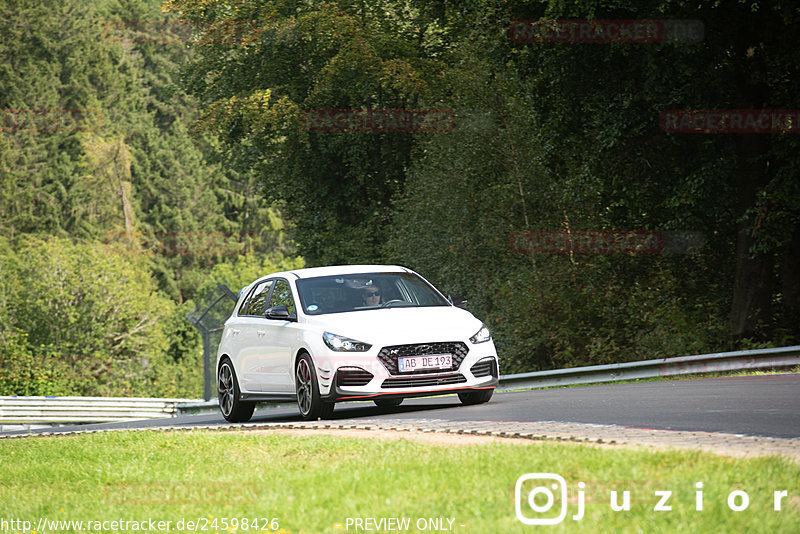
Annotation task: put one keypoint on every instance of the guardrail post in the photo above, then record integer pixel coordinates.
(209, 318)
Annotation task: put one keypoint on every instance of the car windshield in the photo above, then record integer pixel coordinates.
(368, 291)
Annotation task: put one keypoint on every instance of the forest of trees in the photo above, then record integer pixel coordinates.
(152, 150)
(114, 218)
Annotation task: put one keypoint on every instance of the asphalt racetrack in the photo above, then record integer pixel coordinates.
(767, 405)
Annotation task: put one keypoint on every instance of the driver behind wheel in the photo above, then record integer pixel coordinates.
(371, 296)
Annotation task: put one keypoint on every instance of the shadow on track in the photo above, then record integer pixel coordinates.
(355, 410)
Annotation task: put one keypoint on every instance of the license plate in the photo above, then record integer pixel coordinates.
(430, 361)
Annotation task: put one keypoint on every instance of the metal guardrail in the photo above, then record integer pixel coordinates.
(683, 365)
(49, 410)
(55, 410)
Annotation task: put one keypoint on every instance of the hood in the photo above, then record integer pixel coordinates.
(399, 326)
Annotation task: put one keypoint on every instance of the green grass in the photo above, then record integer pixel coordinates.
(314, 483)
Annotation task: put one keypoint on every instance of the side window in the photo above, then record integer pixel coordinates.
(254, 305)
(282, 296)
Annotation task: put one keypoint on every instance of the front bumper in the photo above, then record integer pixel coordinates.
(356, 383)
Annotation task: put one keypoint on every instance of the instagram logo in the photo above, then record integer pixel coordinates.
(531, 499)
(541, 499)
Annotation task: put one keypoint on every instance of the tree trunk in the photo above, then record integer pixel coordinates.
(753, 284)
(790, 286)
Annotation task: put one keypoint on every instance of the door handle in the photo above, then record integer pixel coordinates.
(261, 332)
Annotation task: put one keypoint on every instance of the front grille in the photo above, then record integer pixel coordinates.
(423, 381)
(353, 376)
(485, 367)
(388, 355)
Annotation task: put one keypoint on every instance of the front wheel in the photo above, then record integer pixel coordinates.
(475, 397)
(233, 409)
(307, 387)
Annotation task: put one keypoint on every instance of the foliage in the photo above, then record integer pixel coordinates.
(563, 137)
(28, 370)
(96, 147)
(193, 162)
(292, 57)
(92, 318)
(246, 268)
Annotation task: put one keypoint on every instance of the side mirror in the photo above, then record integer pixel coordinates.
(278, 312)
(458, 302)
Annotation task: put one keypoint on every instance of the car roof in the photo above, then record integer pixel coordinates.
(313, 272)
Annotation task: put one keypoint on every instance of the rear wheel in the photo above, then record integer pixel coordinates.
(306, 385)
(475, 397)
(387, 403)
(233, 409)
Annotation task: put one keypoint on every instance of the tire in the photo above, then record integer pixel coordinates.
(233, 409)
(387, 403)
(306, 385)
(475, 397)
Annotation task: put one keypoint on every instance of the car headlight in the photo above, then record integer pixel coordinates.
(344, 344)
(482, 336)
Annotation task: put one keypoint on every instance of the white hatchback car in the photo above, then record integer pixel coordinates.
(329, 334)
